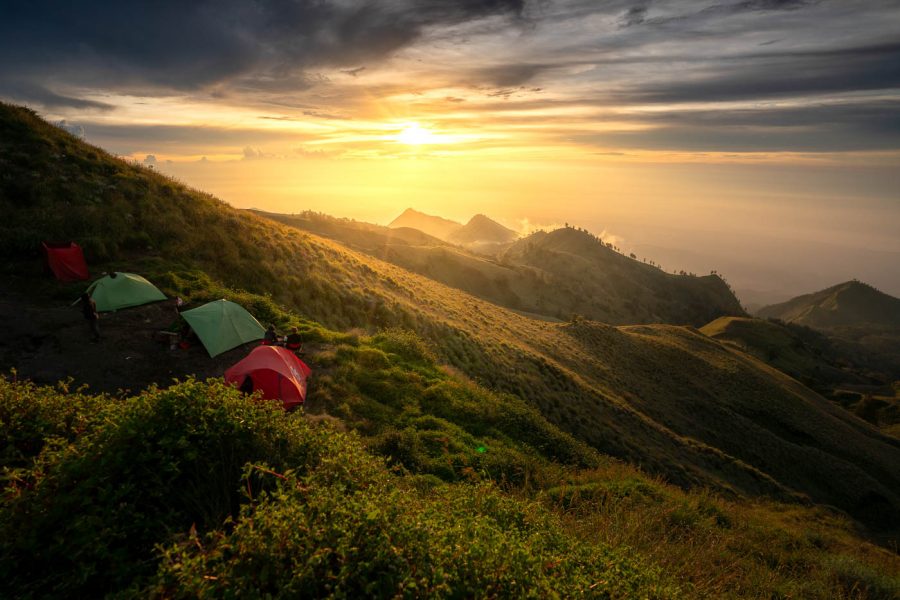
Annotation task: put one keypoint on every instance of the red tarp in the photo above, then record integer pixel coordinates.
(66, 261)
(274, 370)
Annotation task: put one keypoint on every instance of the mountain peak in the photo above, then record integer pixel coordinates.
(848, 304)
(483, 229)
(438, 227)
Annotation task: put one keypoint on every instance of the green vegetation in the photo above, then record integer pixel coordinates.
(858, 381)
(861, 322)
(194, 490)
(550, 275)
(451, 447)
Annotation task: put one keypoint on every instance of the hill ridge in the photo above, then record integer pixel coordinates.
(848, 304)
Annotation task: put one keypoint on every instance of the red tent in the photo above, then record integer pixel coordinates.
(66, 261)
(274, 370)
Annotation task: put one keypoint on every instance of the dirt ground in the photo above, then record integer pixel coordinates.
(47, 340)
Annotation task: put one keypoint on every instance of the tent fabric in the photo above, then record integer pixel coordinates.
(66, 261)
(123, 291)
(276, 371)
(222, 325)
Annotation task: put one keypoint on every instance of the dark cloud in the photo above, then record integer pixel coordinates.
(864, 117)
(785, 74)
(719, 10)
(18, 89)
(176, 45)
(175, 139)
(509, 75)
(863, 126)
(635, 15)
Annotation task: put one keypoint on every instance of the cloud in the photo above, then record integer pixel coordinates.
(470, 65)
(73, 128)
(526, 226)
(875, 67)
(251, 153)
(149, 160)
(609, 237)
(20, 90)
(164, 45)
(635, 15)
(509, 75)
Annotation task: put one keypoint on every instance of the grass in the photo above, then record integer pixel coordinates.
(194, 491)
(554, 275)
(456, 407)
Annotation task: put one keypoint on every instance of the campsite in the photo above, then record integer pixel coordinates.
(141, 335)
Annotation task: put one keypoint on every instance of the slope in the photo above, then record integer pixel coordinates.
(855, 381)
(601, 285)
(846, 305)
(579, 272)
(803, 353)
(668, 398)
(862, 321)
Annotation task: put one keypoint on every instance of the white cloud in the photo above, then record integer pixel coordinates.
(73, 128)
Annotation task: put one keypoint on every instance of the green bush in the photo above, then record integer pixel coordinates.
(197, 490)
(166, 461)
(32, 416)
(387, 540)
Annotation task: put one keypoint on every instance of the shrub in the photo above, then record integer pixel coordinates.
(163, 462)
(32, 416)
(387, 540)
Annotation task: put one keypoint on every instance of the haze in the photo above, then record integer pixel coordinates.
(757, 137)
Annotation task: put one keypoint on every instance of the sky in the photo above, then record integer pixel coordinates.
(760, 138)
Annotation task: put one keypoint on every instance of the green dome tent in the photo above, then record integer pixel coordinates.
(223, 325)
(122, 290)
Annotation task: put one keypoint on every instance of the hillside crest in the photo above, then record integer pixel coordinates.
(848, 304)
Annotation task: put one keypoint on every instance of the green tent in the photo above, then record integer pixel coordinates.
(121, 290)
(223, 325)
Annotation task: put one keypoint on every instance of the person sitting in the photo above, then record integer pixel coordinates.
(271, 338)
(293, 341)
(247, 385)
(89, 310)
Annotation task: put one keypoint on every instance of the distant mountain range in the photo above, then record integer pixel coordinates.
(480, 232)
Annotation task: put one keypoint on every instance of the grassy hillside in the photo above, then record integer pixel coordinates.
(861, 322)
(855, 380)
(846, 305)
(554, 275)
(586, 276)
(812, 357)
(215, 495)
(667, 398)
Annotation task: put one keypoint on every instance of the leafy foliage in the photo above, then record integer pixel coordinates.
(243, 499)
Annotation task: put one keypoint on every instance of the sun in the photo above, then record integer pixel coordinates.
(414, 134)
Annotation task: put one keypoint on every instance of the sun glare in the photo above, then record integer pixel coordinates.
(414, 134)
